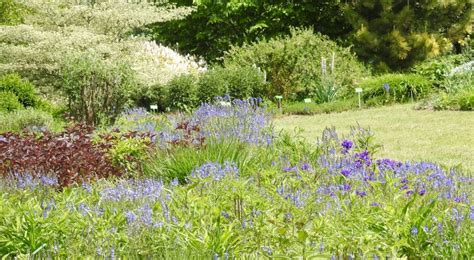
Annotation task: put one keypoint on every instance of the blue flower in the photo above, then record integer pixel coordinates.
(414, 231)
(386, 86)
(346, 172)
(131, 217)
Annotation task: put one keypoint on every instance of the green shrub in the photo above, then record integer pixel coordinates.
(129, 153)
(26, 119)
(151, 95)
(182, 92)
(23, 89)
(394, 88)
(235, 81)
(300, 108)
(9, 102)
(212, 84)
(437, 70)
(459, 81)
(97, 90)
(463, 100)
(294, 63)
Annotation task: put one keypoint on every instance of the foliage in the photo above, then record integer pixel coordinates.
(11, 12)
(69, 156)
(31, 119)
(179, 162)
(127, 150)
(394, 88)
(235, 81)
(462, 100)
(459, 81)
(438, 69)
(23, 89)
(97, 91)
(152, 95)
(183, 92)
(295, 65)
(214, 26)
(394, 35)
(342, 202)
(211, 84)
(57, 29)
(300, 108)
(9, 102)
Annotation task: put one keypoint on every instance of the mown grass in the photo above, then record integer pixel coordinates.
(445, 137)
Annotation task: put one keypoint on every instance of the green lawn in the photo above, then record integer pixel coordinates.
(446, 137)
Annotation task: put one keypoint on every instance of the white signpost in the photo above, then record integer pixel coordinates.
(358, 91)
(154, 108)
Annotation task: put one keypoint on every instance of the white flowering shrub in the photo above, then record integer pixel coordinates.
(56, 29)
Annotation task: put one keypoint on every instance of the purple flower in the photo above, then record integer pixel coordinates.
(225, 214)
(422, 192)
(363, 158)
(130, 217)
(306, 167)
(361, 193)
(386, 86)
(346, 172)
(346, 145)
(346, 187)
(414, 231)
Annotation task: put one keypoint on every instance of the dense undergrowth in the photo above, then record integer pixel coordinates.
(219, 182)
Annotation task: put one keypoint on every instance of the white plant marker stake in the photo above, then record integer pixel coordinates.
(358, 91)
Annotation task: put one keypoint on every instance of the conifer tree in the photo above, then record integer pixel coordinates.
(395, 34)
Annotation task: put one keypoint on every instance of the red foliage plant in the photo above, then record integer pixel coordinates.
(71, 156)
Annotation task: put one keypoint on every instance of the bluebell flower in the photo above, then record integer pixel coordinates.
(346, 172)
(386, 86)
(414, 231)
(130, 217)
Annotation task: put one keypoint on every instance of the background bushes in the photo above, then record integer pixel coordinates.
(237, 82)
(32, 119)
(294, 64)
(22, 89)
(394, 88)
(183, 92)
(96, 90)
(9, 102)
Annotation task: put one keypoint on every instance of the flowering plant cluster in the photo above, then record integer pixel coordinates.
(336, 199)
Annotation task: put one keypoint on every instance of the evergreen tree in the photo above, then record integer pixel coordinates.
(395, 34)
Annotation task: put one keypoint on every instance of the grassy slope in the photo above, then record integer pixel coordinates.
(445, 137)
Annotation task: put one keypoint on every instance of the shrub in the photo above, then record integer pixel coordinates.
(300, 108)
(23, 89)
(151, 95)
(70, 156)
(182, 92)
(9, 102)
(54, 30)
(438, 70)
(462, 100)
(235, 81)
(97, 91)
(391, 88)
(212, 84)
(459, 81)
(295, 64)
(31, 119)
